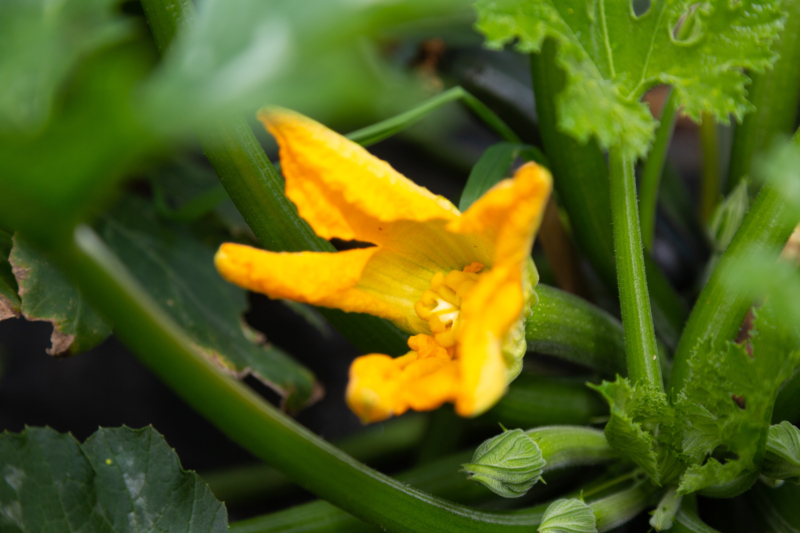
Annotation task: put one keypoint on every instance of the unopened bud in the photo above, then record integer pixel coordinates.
(508, 464)
(568, 516)
(664, 514)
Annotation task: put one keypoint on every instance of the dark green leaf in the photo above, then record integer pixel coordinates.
(9, 299)
(492, 167)
(178, 270)
(40, 43)
(120, 481)
(611, 57)
(47, 294)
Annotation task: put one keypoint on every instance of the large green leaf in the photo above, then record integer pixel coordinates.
(40, 43)
(47, 294)
(119, 481)
(612, 56)
(9, 299)
(178, 270)
(317, 55)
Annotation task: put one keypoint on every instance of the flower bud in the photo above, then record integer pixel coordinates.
(508, 464)
(664, 514)
(568, 516)
(782, 460)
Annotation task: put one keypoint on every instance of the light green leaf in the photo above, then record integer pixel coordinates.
(782, 460)
(40, 43)
(612, 57)
(727, 403)
(178, 271)
(568, 516)
(9, 299)
(49, 295)
(119, 481)
(508, 464)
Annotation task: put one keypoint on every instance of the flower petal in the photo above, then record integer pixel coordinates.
(341, 189)
(325, 279)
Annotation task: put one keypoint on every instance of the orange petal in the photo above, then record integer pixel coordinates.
(325, 279)
(341, 189)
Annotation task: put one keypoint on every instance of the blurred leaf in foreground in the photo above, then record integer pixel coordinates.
(40, 43)
(178, 271)
(119, 481)
(612, 57)
(317, 55)
(48, 295)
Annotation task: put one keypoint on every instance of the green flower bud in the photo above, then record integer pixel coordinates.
(568, 516)
(508, 464)
(666, 510)
(782, 460)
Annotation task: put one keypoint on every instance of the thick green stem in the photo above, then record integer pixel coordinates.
(621, 507)
(774, 95)
(581, 181)
(568, 327)
(719, 312)
(651, 176)
(687, 520)
(246, 418)
(640, 340)
(709, 191)
(564, 446)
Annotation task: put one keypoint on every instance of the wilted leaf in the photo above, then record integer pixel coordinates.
(178, 271)
(9, 299)
(49, 295)
(119, 481)
(612, 57)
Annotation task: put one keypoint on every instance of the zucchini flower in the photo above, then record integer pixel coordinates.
(461, 284)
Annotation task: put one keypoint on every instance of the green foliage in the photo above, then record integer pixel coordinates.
(9, 299)
(611, 57)
(311, 56)
(40, 43)
(508, 464)
(47, 294)
(782, 459)
(119, 481)
(178, 270)
(716, 427)
(728, 216)
(492, 167)
(568, 516)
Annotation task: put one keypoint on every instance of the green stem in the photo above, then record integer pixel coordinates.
(564, 446)
(640, 340)
(719, 312)
(773, 93)
(568, 327)
(257, 190)
(391, 126)
(253, 482)
(581, 181)
(651, 176)
(709, 191)
(687, 520)
(247, 419)
(621, 507)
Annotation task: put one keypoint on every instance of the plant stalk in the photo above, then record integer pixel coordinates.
(710, 189)
(651, 176)
(640, 340)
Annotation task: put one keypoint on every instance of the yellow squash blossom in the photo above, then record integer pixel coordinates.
(460, 283)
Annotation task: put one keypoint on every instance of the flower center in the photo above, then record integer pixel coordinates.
(440, 306)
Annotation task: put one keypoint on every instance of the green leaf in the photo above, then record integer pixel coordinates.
(508, 464)
(612, 57)
(492, 167)
(568, 516)
(782, 460)
(636, 410)
(119, 481)
(48, 295)
(9, 299)
(178, 270)
(726, 404)
(40, 44)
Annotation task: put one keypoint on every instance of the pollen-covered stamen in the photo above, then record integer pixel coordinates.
(440, 306)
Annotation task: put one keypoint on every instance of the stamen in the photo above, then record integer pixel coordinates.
(440, 306)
